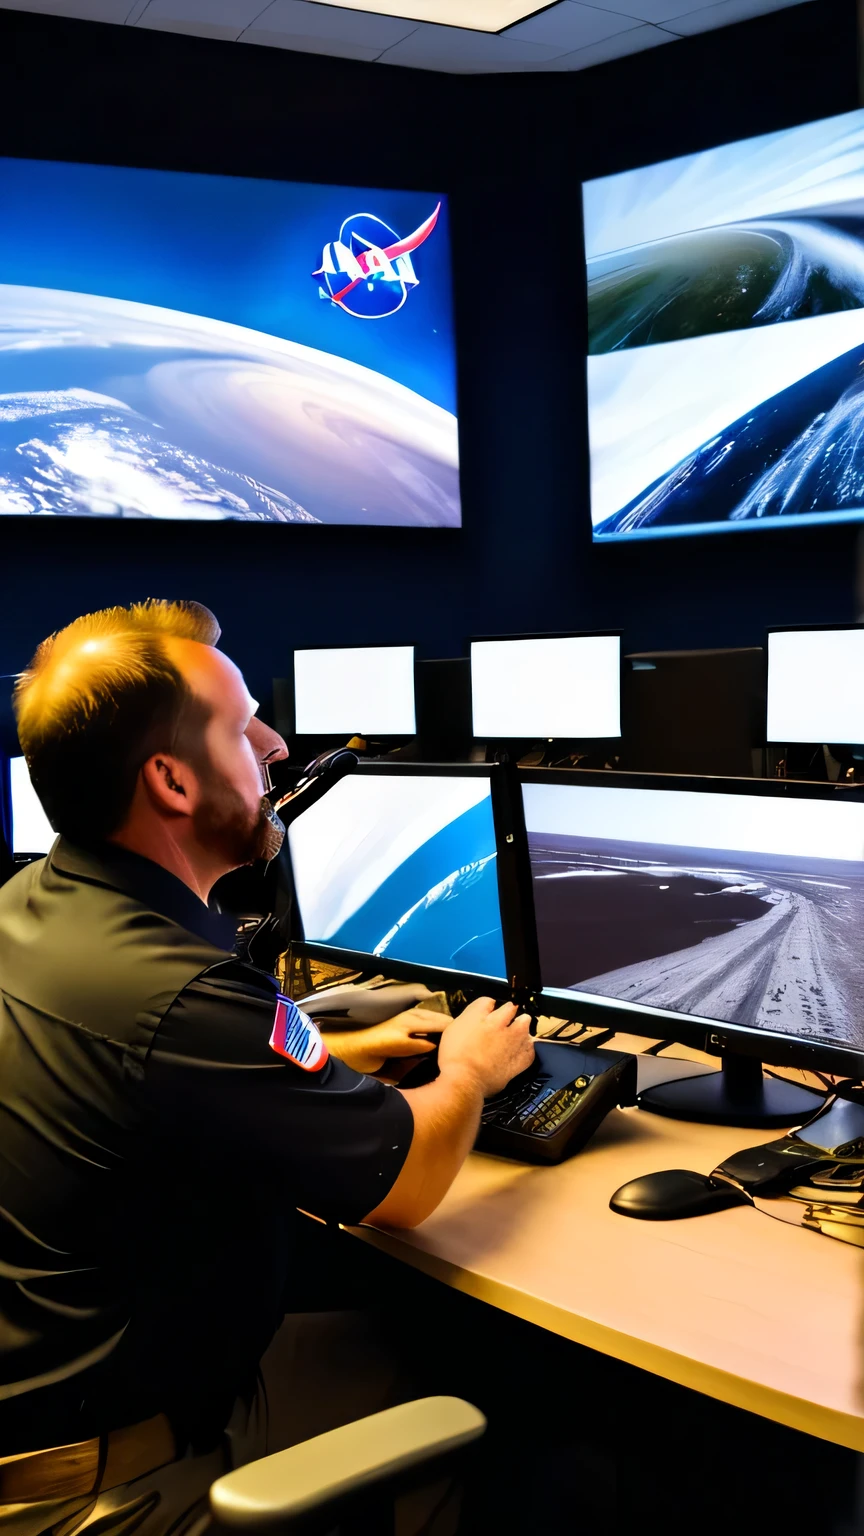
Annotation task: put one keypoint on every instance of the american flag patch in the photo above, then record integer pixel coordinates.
(296, 1038)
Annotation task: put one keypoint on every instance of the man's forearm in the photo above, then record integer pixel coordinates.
(446, 1119)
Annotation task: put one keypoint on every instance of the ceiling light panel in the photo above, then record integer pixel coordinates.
(473, 15)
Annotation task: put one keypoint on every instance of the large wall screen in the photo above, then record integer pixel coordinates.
(215, 347)
(726, 336)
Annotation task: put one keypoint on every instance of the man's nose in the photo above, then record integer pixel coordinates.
(267, 744)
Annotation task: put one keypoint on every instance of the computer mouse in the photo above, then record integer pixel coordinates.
(674, 1194)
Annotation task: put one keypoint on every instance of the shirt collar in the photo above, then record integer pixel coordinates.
(149, 883)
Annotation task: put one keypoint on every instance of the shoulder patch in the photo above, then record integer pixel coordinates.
(296, 1038)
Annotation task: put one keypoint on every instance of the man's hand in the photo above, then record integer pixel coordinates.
(491, 1044)
(478, 1055)
(366, 1050)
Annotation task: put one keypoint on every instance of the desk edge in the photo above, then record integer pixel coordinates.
(831, 1424)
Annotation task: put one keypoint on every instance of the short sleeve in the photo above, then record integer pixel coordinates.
(334, 1141)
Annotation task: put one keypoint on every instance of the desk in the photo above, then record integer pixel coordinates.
(759, 1314)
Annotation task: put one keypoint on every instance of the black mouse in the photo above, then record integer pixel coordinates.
(672, 1195)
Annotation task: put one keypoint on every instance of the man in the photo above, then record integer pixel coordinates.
(162, 1113)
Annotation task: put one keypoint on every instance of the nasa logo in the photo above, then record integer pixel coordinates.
(296, 1038)
(368, 270)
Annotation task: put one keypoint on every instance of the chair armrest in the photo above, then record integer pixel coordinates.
(294, 1484)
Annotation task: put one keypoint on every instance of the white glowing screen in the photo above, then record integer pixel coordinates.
(31, 830)
(362, 690)
(816, 686)
(553, 687)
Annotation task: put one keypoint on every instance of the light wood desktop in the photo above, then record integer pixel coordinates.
(749, 1310)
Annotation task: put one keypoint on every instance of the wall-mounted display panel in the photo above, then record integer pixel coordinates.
(726, 336)
(216, 347)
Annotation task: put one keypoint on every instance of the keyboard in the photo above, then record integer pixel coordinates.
(536, 1107)
(550, 1111)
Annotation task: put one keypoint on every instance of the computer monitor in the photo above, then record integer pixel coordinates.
(816, 685)
(694, 712)
(32, 832)
(444, 710)
(552, 687)
(723, 913)
(406, 868)
(362, 690)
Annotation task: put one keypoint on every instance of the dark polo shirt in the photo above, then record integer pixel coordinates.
(154, 1150)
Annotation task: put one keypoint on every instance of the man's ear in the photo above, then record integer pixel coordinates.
(171, 784)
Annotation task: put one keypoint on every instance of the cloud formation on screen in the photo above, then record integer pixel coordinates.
(726, 300)
(402, 868)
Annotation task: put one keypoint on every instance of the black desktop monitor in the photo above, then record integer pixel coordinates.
(444, 710)
(411, 869)
(694, 712)
(357, 690)
(722, 913)
(816, 685)
(563, 687)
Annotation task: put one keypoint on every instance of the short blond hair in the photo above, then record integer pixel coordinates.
(98, 699)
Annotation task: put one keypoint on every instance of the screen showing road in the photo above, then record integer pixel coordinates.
(553, 686)
(403, 868)
(367, 690)
(746, 909)
(816, 686)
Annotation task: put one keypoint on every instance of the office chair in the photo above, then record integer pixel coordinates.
(348, 1479)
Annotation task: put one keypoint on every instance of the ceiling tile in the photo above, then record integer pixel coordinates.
(331, 46)
(570, 25)
(722, 15)
(616, 47)
(299, 18)
(88, 10)
(200, 18)
(462, 52)
(657, 11)
(192, 29)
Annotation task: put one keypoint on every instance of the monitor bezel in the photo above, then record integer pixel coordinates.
(554, 634)
(787, 629)
(513, 883)
(375, 645)
(711, 1035)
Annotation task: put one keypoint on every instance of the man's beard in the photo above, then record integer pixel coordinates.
(224, 823)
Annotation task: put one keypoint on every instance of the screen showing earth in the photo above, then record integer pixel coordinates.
(402, 868)
(214, 347)
(726, 336)
(742, 908)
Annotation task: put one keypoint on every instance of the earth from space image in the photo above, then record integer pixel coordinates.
(118, 409)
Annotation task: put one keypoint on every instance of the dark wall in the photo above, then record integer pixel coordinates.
(511, 150)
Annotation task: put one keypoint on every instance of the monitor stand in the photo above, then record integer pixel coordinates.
(740, 1094)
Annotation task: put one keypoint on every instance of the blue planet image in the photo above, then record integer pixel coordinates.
(440, 906)
(798, 454)
(111, 408)
(402, 867)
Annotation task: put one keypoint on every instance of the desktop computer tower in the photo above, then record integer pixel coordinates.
(699, 712)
